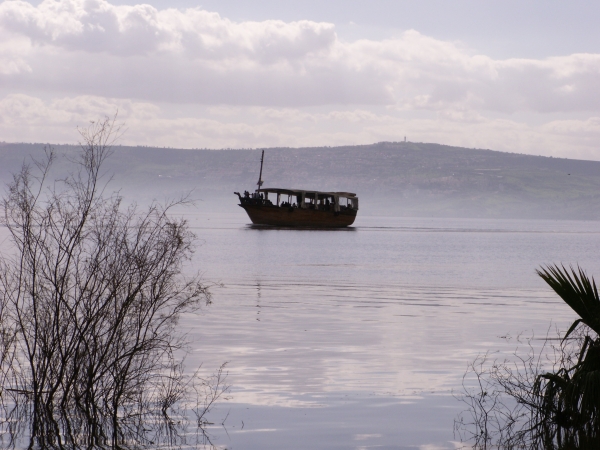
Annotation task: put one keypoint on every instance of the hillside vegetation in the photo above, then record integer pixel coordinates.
(391, 178)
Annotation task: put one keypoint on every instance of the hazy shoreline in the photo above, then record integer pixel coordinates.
(397, 179)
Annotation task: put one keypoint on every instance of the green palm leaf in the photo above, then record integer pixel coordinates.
(578, 291)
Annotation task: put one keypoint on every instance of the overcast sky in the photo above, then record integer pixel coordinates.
(520, 76)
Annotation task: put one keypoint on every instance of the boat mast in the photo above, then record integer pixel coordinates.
(260, 181)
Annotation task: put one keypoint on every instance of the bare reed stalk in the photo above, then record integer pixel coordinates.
(541, 399)
(89, 302)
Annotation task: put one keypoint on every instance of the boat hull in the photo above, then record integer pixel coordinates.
(297, 217)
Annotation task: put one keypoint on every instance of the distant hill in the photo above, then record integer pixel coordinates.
(404, 178)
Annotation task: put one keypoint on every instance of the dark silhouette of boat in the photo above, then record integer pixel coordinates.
(298, 207)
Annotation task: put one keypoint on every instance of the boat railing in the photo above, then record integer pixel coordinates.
(323, 204)
(312, 206)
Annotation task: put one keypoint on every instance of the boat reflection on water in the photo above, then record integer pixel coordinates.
(296, 228)
(298, 208)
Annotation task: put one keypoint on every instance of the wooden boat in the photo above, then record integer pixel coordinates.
(298, 207)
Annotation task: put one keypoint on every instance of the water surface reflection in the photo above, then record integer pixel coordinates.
(357, 339)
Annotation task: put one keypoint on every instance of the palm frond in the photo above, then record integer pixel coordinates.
(578, 291)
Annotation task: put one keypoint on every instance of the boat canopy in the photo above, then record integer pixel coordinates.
(307, 194)
(313, 197)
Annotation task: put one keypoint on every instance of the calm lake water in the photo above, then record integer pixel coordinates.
(356, 338)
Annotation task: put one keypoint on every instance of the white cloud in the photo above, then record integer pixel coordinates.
(223, 127)
(98, 26)
(24, 118)
(281, 83)
(94, 47)
(18, 109)
(11, 50)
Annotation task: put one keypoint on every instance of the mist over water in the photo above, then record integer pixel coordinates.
(357, 338)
